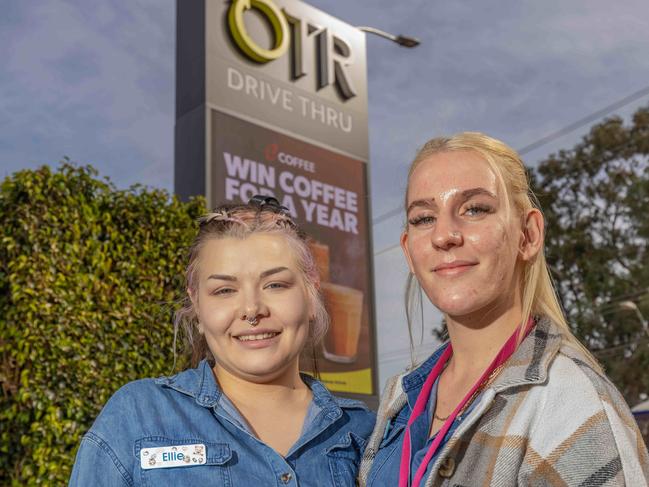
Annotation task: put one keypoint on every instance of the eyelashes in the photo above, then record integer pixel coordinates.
(271, 286)
(479, 209)
(222, 291)
(419, 220)
(471, 211)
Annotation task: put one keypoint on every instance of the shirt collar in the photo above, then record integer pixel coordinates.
(528, 365)
(201, 384)
(322, 398)
(530, 362)
(198, 383)
(417, 377)
(413, 381)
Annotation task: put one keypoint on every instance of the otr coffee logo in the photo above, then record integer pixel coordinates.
(332, 54)
(273, 153)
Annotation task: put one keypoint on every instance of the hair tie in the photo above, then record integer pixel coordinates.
(219, 215)
(261, 201)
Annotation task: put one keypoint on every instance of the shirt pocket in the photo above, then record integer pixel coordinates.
(344, 459)
(215, 470)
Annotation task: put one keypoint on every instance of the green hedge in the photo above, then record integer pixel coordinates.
(88, 280)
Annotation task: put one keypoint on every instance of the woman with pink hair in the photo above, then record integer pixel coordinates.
(243, 415)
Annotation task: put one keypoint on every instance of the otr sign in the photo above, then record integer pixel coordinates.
(332, 54)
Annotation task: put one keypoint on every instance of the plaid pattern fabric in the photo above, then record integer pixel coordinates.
(549, 419)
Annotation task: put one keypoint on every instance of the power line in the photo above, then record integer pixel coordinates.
(586, 120)
(405, 351)
(386, 249)
(614, 349)
(405, 357)
(386, 215)
(535, 145)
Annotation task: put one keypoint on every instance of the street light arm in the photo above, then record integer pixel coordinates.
(631, 306)
(403, 41)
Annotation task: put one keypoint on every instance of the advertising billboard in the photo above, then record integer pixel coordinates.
(272, 99)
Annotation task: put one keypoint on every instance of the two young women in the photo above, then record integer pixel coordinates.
(511, 399)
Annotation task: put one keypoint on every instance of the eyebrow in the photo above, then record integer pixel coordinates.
(222, 277)
(466, 194)
(272, 271)
(269, 272)
(470, 193)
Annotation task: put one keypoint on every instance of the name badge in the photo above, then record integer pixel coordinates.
(172, 456)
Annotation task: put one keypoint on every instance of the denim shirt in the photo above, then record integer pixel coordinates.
(420, 438)
(387, 463)
(190, 409)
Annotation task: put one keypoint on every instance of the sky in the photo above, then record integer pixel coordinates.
(94, 81)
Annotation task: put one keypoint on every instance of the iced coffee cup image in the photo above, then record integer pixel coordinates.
(345, 307)
(320, 253)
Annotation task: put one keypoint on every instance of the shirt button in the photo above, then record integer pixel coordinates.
(447, 468)
(285, 478)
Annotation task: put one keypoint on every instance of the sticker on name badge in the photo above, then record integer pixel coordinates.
(172, 456)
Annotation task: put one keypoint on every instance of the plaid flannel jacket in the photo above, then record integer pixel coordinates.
(549, 419)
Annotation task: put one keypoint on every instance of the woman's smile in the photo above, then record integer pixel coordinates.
(454, 268)
(258, 338)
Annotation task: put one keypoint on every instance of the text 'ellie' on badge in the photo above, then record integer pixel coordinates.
(173, 456)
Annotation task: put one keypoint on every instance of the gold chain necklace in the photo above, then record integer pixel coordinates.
(480, 388)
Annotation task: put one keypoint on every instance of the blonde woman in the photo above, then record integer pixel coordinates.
(244, 415)
(512, 398)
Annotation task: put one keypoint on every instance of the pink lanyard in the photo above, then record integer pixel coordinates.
(420, 406)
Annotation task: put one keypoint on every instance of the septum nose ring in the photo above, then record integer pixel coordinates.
(252, 320)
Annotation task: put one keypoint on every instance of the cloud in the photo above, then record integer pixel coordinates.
(94, 82)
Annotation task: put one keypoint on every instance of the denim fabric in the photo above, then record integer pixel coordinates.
(419, 440)
(419, 430)
(189, 408)
(386, 465)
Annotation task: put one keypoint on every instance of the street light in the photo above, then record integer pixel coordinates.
(626, 305)
(403, 41)
(631, 306)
